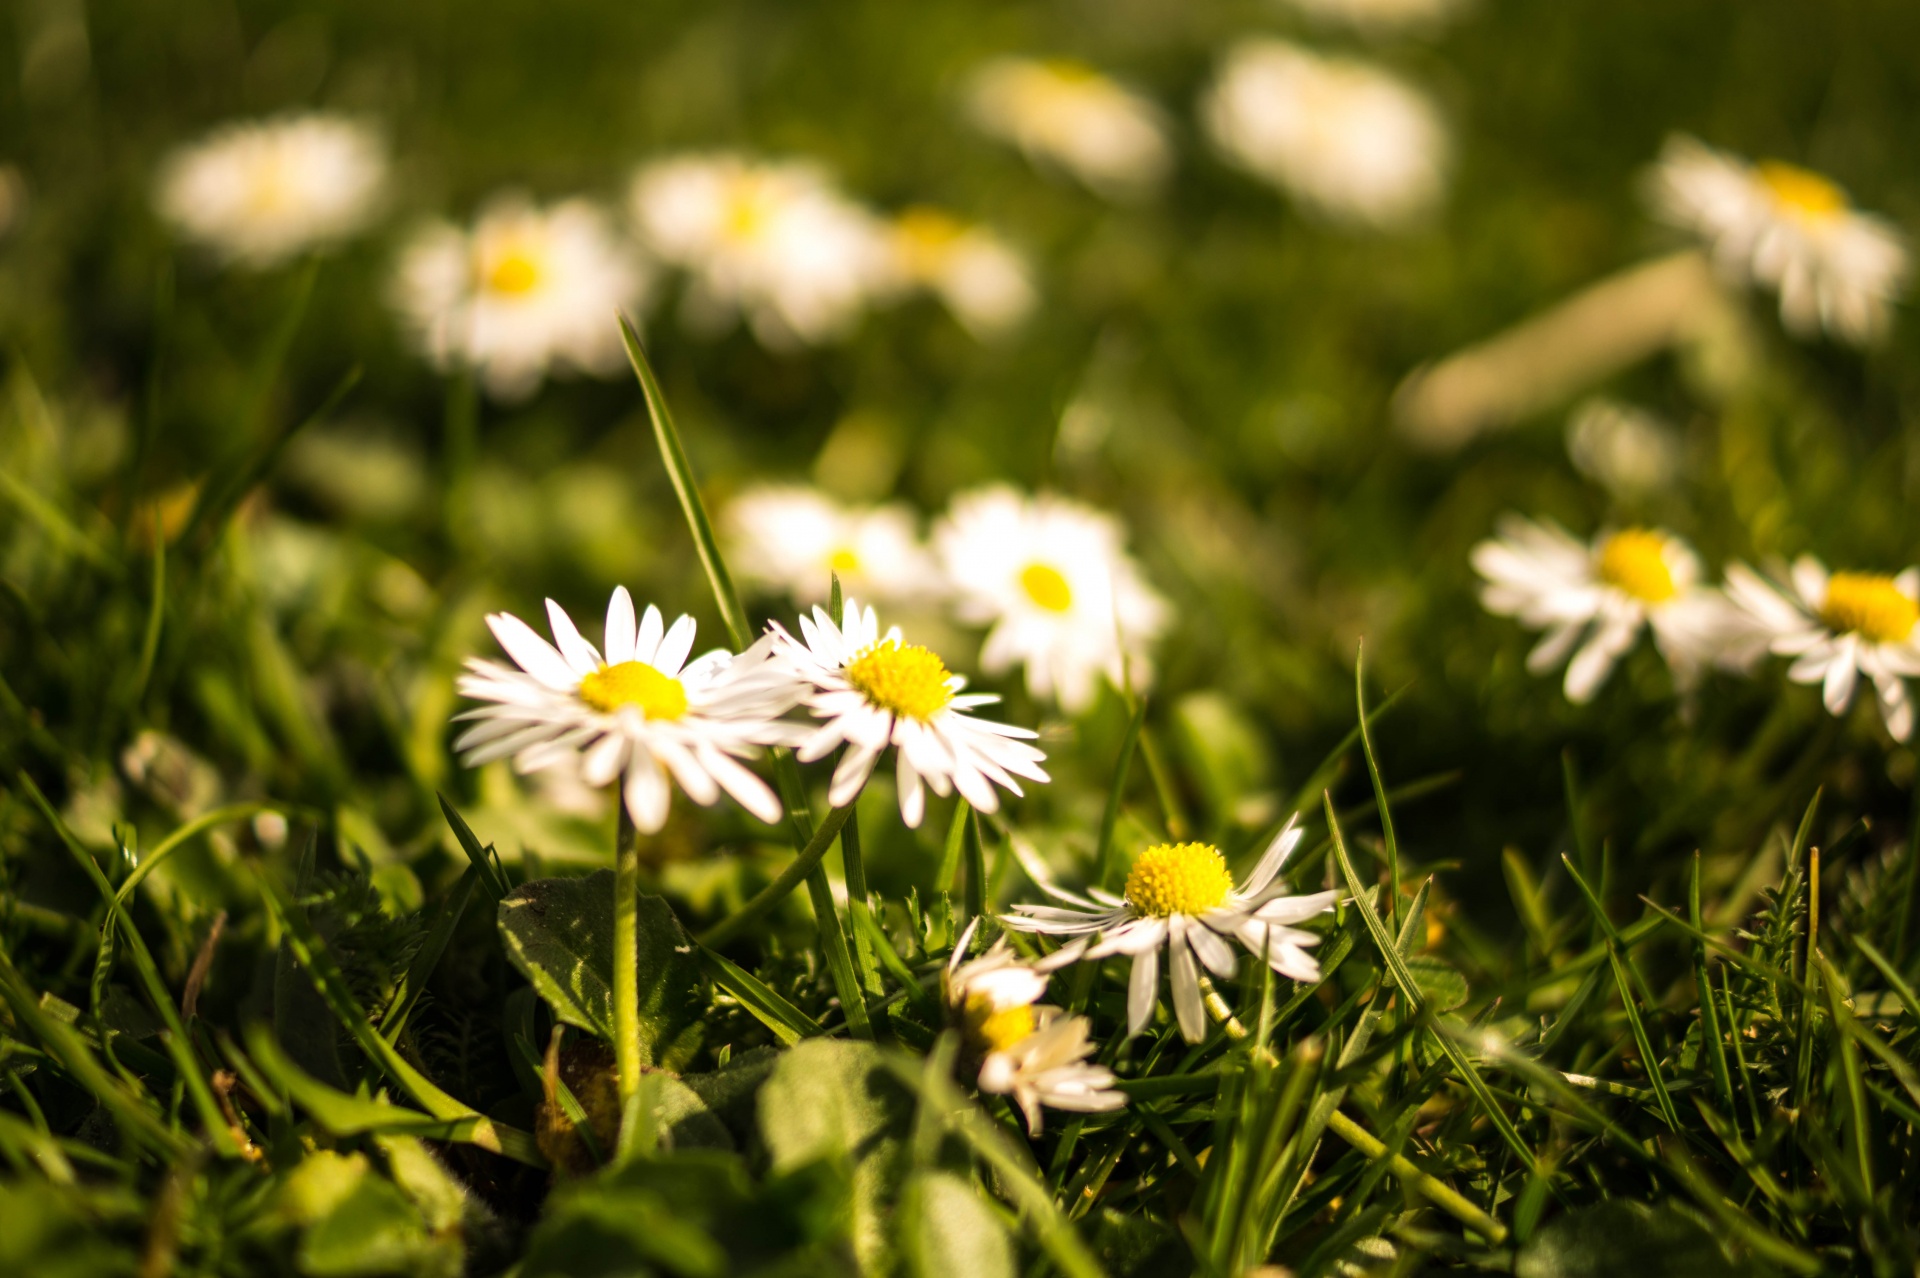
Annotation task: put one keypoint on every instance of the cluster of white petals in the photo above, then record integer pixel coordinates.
(1068, 117)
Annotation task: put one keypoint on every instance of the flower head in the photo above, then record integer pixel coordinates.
(1790, 230)
(1838, 627)
(871, 691)
(1597, 597)
(259, 193)
(636, 708)
(1180, 896)
(795, 540)
(981, 280)
(1380, 17)
(1348, 140)
(1068, 116)
(524, 291)
(1052, 579)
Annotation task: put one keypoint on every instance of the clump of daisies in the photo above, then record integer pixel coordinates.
(773, 240)
(1066, 116)
(1381, 17)
(259, 193)
(1181, 898)
(1788, 229)
(523, 292)
(975, 274)
(794, 540)
(1348, 140)
(1052, 581)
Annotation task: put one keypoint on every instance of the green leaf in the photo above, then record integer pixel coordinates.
(946, 1227)
(375, 1230)
(1441, 986)
(1622, 1237)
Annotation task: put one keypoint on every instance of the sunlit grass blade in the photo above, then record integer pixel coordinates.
(1434, 1190)
(1110, 816)
(788, 1023)
(493, 879)
(1631, 990)
(1709, 1017)
(413, 983)
(1379, 789)
(771, 895)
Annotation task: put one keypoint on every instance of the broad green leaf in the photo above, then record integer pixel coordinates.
(375, 1230)
(1440, 985)
(947, 1227)
(1620, 1237)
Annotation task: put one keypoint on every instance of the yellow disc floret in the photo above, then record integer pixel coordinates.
(514, 273)
(904, 678)
(1869, 605)
(1178, 878)
(991, 1030)
(1047, 586)
(637, 684)
(844, 560)
(1635, 562)
(1801, 191)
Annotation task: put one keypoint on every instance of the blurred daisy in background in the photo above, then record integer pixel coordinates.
(792, 539)
(773, 240)
(1065, 115)
(1348, 140)
(634, 710)
(1789, 229)
(1596, 599)
(979, 278)
(1052, 580)
(1181, 897)
(1623, 447)
(525, 292)
(256, 194)
(871, 691)
(1837, 627)
(1380, 17)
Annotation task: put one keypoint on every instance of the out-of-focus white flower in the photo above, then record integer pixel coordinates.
(525, 292)
(1838, 627)
(983, 281)
(1624, 447)
(794, 539)
(1381, 17)
(1347, 139)
(259, 193)
(1790, 230)
(1603, 594)
(1068, 116)
(1053, 580)
(771, 239)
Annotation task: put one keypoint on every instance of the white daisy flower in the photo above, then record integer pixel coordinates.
(1838, 627)
(1381, 17)
(1604, 594)
(641, 710)
(981, 280)
(872, 691)
(524, 292)
(1181, 896)
(793, 539)
(1789, 229)
(1350, 141)
(771, 239)
(1053, 580)
(259, 193)
(1067, 116)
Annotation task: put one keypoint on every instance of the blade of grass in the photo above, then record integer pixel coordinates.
(199, 825)
(1625, 979)
(218, 501)
(1379, 789)
(775, 892)
(1434, 1190)
(1709, 1016)
(788, 1023)
(492, 878)
(1110, 816)
(414, 982)
(1859, 1116)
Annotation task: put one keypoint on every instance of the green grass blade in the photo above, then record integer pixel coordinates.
(1630, 987)
(1110, 816)
(775, 892)
(492, 877)
(413, 983)
(788, 1023)
(1710, 1032)
(1379, 790)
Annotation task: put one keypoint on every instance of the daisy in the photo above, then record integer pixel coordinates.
(259, 193)
(1346, 139)
(980, 279)
(773, 240)
(792, 539)
(1380, 17)
(1604, 594)
(872, 691)
(641, 710)
(1053, 580)
(1181, 896)
(1789, 229)
(525, 291)
(1838, 627)
(1624, 447)
(1068, 116)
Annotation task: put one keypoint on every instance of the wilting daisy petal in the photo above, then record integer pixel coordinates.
(985, 283)
(792, 539)
(1067, 116)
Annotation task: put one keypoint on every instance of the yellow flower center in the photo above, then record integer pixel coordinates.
(1070, 71)
(844, 561)
(1047, 587)
(925, 237)
(1178, 878)
(634, 683)
(515, 272)
(269, 191)
(1800, 191)
(748, 208)
(1635, 563)
(988, 1030)
(1869, 605)
(904, 678)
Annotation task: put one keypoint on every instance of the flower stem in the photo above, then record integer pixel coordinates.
(626, 956)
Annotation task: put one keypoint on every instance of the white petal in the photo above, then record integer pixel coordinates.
(579, 654)
(1837, 692)
(646, 794)
(620, 627)
(1187, 1008)
(675, 647)
(647, 643)
(532, 653)
(1143, 986)
(1214, 952)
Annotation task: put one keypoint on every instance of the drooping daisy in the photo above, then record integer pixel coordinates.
(793, 539)
(872, 691)
(771, 239)
(1838, 627)
(1067, 116)
(1380, 17)
(1598, 597)
(1789, 229)
(526, 291)
(1181, 896)
(980, 279)
(639, 710)
(1347, 139)
(259, 193)
(1053, 580)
